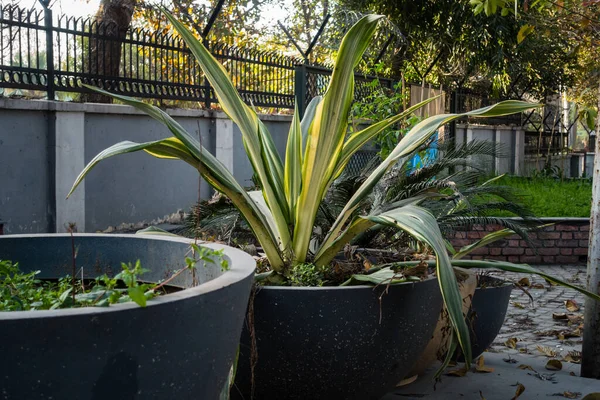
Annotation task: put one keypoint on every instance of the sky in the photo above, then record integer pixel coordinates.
(84, 8)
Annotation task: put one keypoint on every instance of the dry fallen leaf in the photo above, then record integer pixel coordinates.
(407, 381)
(547, 351)
(573, 356)
(559, 316)
(481, 367)
(511, 343)
(571, 305)
(592, 396)
(537, 286)
(458, 372)
(525, 366)
(481, 396)
(554, 365)
(518, 305)
(519, 391)
(568, 395)
(524, 282)
(575, 319)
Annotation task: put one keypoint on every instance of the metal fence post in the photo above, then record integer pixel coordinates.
(453, 110)
(207, 100)
(49, 52)
(300, 83)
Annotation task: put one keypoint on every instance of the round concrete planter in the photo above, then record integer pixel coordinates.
(335, 342)
(487, 313)
(181, 346)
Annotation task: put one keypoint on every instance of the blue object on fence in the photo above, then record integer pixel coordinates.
(424, 158)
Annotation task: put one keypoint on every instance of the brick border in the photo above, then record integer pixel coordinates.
(565, 242)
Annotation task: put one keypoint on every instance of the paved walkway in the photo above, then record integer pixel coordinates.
(544, 326)
(529, 338)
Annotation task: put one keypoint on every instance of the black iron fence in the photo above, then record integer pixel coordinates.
(42, 52)
(39, 52)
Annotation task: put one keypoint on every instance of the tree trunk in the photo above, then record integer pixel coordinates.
(590, 362)
(110, 28)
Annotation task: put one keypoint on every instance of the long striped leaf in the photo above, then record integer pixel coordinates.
(507, 266)
(211, 169)
(327, 132)
(293, 165)
(484, 241)
(309, 116)
(422, 225)
(259, 145)
(417, 136)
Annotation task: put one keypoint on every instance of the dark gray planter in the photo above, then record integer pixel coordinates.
(181, 346)
(336, 342)
(487, 313)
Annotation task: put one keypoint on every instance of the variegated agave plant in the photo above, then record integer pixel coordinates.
(282, 214)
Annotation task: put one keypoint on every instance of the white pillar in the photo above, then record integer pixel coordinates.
(70, 161)
(519, 153)
(224, 142)
(498, 137)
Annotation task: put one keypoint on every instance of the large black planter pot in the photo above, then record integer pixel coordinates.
(335, 343)
(181, 346)
(487, 313)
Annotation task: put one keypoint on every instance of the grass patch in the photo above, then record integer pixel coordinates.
(548, 197)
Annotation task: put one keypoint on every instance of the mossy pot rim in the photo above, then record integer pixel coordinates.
(240, 266)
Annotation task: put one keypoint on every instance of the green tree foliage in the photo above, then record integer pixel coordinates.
(450, 44)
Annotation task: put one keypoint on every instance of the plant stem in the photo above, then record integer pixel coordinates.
(74, 270)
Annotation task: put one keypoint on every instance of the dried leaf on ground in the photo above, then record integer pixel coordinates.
(519, 391)
(518, 305)
(407, 381)
(573, 356)
(592, 396)
(538, 286)
(481, 367)
(569, 334)
(460, 372)
(568, 395)
(553, 365)
(571, 305)
(511, 343)
(547, 351)
(524, 282)
(559, 316)
(524, 350)
(525, 366)
(481, 396)
(575, 319)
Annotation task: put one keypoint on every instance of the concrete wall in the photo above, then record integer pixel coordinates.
(533, 164)
(510, 141)
(24, 174)
(44, 145)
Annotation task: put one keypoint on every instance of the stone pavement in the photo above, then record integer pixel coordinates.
(532, 327)
(529, 338)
